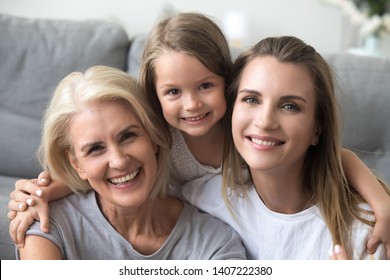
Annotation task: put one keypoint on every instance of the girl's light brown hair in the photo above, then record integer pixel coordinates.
(191, 33)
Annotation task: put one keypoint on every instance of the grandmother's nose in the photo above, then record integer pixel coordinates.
(118, 159)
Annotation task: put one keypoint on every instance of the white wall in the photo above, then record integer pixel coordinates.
(311, 20)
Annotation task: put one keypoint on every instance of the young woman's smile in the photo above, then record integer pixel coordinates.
(273, 122)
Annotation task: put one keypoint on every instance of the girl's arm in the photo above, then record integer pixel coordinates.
(37, 192)
(365, 182)
(39, 248)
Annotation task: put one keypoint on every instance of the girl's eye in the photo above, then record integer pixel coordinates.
(174, 91)
(205, 86)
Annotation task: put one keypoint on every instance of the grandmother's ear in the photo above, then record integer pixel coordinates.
(75, 164)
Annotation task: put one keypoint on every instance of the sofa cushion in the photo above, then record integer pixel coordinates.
(7, 247)
(35, 55)
(363, 91)
(135, 54)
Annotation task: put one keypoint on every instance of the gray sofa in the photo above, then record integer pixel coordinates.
(35, 54)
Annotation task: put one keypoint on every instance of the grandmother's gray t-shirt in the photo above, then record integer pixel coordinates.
(80, 231)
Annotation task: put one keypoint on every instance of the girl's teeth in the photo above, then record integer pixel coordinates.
(196, 118)
(126, 178)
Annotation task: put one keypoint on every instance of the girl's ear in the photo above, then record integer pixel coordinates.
(75, 164)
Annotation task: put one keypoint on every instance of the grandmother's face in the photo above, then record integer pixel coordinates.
(114, 153)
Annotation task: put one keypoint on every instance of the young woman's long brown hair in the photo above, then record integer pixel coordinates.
(322, 172)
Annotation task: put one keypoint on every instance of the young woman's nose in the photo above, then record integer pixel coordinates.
(266, 118)
(118, 159)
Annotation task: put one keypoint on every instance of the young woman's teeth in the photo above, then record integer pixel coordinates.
(264, 143)
(126, 178)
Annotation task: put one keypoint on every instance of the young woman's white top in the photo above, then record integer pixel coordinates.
(270, 235)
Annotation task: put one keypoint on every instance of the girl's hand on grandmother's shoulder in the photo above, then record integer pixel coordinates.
(338, 253)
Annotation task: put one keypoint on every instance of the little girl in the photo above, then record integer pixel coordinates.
(185, 71)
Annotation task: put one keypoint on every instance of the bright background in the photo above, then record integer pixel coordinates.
(319, 24)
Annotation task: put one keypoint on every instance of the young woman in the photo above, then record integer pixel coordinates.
(185, 68)
(283, 181)
(102, 141)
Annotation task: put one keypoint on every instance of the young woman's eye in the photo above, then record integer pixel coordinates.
(291, 107)
(250, 100)
(205, 86)
(173, 91)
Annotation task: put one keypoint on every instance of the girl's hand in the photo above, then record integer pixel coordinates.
(28, 193)
(22, 220)
(381, 233)
(25, 192)
(337, 253)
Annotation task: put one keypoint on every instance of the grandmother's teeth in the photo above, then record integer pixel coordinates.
(126, 178)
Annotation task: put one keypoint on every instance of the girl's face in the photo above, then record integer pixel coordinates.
(114, 153)
(273, 121)
(191, 96)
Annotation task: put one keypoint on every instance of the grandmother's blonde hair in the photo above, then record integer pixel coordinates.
(100, 84)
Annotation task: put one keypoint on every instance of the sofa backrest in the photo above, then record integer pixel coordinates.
(364, 95)
(35, 54)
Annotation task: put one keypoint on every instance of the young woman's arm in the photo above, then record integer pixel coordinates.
(365, 182)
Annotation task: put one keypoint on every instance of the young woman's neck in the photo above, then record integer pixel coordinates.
(207, 148)
(281, 192)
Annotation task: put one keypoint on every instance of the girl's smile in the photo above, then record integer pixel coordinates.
(192, 97)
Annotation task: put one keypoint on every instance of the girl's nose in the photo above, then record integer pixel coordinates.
(191, 101)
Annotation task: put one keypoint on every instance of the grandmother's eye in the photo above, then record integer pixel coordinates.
(94, 149)
(127, 135)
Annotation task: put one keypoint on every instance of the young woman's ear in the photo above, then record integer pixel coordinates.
(155, 148)
(75, 164)
(316, 137)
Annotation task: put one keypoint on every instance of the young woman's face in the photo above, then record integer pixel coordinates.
(114, 153)
(191, 96)
(273, 121)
